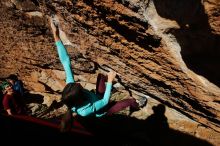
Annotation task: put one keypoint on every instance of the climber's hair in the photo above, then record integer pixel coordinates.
(71, 94)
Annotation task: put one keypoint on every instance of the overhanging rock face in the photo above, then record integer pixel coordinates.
(156, 46)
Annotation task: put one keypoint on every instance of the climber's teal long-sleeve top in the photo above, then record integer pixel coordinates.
(93, 104)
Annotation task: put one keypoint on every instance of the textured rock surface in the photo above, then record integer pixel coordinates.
(167, 50)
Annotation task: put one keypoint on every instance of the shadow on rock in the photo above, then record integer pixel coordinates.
(199, 43)
(33, 98)
(154, 131)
